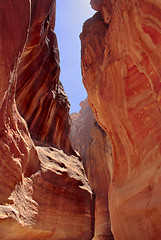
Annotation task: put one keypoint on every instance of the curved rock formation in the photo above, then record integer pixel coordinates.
(40, 96)
(94, 146)
(44, 193)
(121, 57)
(16, 145)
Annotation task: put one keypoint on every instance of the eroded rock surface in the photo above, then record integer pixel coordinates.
(40, 96)
(121, 58)
(44, 193)
(94, 146)
(55, 202)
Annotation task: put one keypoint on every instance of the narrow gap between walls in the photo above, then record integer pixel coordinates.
(70, 16)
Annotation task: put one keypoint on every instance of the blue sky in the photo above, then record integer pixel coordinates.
(70, 16)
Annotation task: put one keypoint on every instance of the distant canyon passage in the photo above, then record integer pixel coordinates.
(94, 146)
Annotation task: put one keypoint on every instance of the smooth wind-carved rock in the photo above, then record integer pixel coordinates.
(40, 96)
(44, 193)
(121, 59)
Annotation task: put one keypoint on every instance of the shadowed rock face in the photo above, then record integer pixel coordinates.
(98, 163)
(40, 96)
(121, 58)
(44, 193)
(14, 136)
(94, 146)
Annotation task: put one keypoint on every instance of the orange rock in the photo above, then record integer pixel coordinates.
(121, 57)
(44, 193)
(55, 202)
(15, 142)
(94, 146)
(40, 96)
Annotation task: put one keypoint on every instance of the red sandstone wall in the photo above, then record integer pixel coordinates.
(44, 193)
(40, 96)
(121, 59)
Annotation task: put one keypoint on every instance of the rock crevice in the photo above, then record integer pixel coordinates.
(94, 146)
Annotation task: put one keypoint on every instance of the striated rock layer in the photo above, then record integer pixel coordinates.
(94, 146)
(121, 59)
(40, 96)
(44, 193)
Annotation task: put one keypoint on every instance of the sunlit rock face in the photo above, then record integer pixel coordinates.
(40, 96)
(94, 146)
(54, 202)
(44, 193)
(121, 59)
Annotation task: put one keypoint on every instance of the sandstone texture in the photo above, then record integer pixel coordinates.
(40, 96)
(94, 146)
(44, 193)
(121, 59)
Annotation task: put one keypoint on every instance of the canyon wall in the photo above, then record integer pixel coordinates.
(121, 59)
(94, 146)
(44, 192)
(40, 96)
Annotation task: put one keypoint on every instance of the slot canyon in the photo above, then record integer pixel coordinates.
(95, 174)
